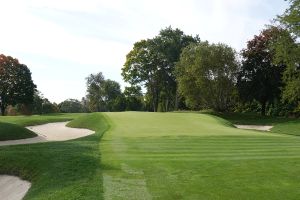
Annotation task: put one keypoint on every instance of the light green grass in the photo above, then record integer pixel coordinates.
(159, 156)
(194, 156)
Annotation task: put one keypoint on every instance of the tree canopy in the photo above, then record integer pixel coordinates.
(259, 78)
(16, 85)
(104, 94)
(291, 17)
(288, 49)
(151, 64)
(206, 75)
(71, 106)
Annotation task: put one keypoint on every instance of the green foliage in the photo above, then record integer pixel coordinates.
(291, 18)
(134, 98)
(16, 85)
(151, 63)
(288, 49)
(104, 94)
(259, 78)
(206, 75)
(70, 106)
(95, 91)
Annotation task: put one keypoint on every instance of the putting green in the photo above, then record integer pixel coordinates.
(195, 156)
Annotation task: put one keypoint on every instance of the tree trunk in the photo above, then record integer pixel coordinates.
(2, 110)
(176, 101)
(263, 108)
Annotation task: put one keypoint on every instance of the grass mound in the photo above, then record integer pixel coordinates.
(60, 170)
(14, 132)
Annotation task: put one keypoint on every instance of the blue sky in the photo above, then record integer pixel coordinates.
(63, 41)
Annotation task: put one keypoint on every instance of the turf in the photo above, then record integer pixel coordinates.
(136, 155)
(39, 119)
(195, 156)
(59, 170)
(13, 132)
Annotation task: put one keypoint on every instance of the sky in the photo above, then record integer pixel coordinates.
(64, 41)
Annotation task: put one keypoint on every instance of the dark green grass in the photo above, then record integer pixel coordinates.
(60, 170)
(39, 119)
(188, 162)
(13, 132)
(250, 118)
(281, 125)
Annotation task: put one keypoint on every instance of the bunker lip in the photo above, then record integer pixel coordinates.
(50, 132)
(13, 188)
(254, 127)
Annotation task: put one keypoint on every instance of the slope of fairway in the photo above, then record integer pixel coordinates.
(39, 119)
(14, 132)
(194, 156)
(142, 124)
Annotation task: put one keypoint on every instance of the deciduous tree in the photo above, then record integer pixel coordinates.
(206, 75)
(104, 94)
(259, 78)
(151, 64)
(71, 106)
(288, 49)
(16, 85)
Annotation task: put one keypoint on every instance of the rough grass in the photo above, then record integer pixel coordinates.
(281, 125)
(59, 170)
(13, 132)
(39, 119)
(13, 127)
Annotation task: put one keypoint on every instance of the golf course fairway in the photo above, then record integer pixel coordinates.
(195, 156)
(139, 155)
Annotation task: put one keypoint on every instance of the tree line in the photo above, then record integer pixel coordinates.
(175, 71)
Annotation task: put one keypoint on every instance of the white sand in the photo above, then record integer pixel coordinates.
(13, 188)
(50, 132)
(254, 127)
(59, 132)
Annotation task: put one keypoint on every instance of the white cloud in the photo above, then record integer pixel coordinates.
(76, 38)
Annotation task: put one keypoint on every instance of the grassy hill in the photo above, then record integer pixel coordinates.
(13, 132)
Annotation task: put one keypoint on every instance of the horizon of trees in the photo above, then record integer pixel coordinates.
(183, 72)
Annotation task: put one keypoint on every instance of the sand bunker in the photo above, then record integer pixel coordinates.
(13, 188)
(254, 127)
(50, 132)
